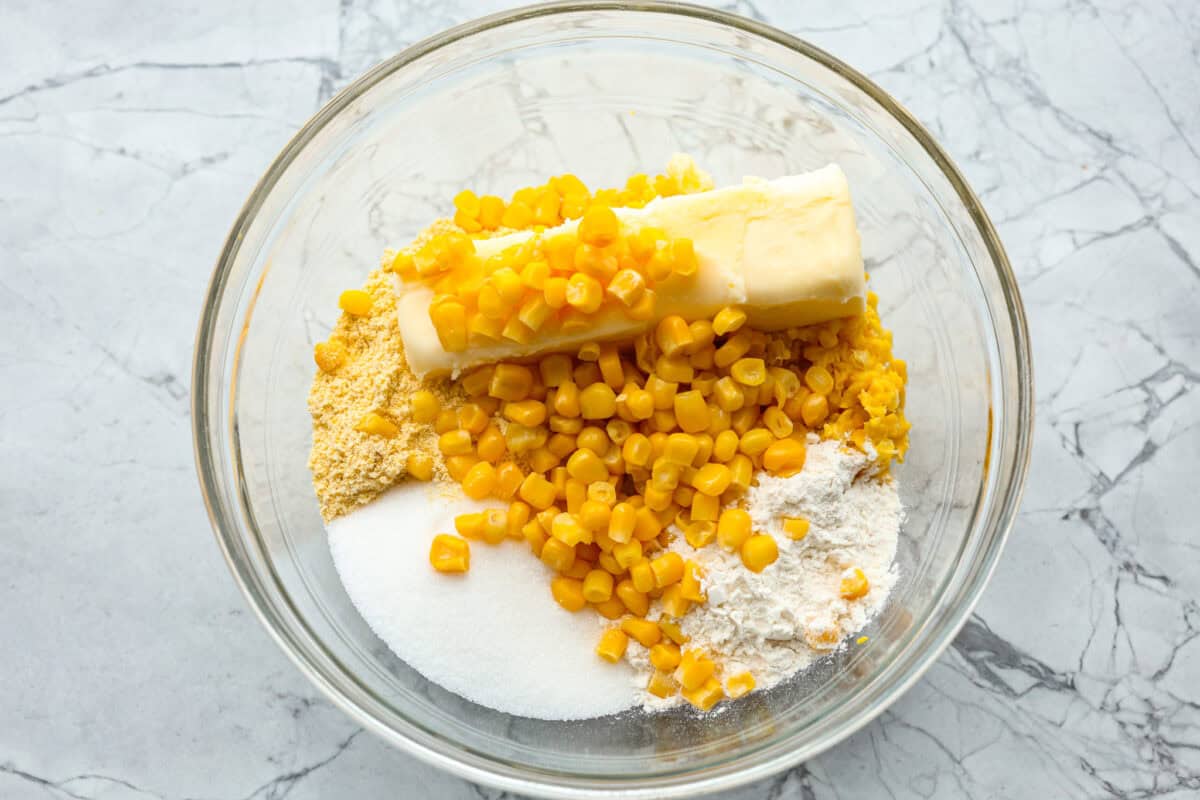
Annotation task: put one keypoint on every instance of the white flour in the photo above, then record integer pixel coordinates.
(765, 622)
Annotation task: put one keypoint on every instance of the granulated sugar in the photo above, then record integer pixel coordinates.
(494, 634)
(779, 621)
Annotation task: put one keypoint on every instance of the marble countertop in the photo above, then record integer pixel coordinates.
(130, 133)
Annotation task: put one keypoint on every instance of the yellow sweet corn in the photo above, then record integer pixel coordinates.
(557, 555)
(673, 335)
(854, 584)
(330, 355)
(378, 425)
(749, 371)
(537, 491)
(777, 422)
(705, 696)
(733, 529)
(672, 631)
(674, 604)
(597, 586)
(612, 645)
(712, 479)
(459, 466)
(420, 466)
(479, 481)
(739, 685)
(636, 602)
(355, 302)
(598, 401)
(644, 631)
(667, 568)
(664, 656)
(662, 685)
(450, 553)
(728, 320)
(510, 382)
(690, 586)
(759, 552)
(694, 669)
(796, 528)
(568, 593)
(784, 457)
(641, 575)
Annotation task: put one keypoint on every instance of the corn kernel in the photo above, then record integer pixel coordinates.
(379, 425)
(597, 586)
(854, 584)
(594, 439)
(599, 226)
(537, 491)
(796, 528)
(575, 493)
(459, 466)
(568, 425)
(521, 439)
(755, 441)
(739, 685)
(674, 604)
(643, 630)
(695, 669)
(673, 369)
(612, 608)
(778, 422)
(814, 409)
(663, 421)
(734, 348)
(643, 308)
(594, 515)
(691, 411)
(330, 355)
(469, 526)
(554, 290)
(472, 419)
(476, 382)
(818, 379)
(628, 286)
(495, 525)
(664, 655)
(733, 529)
(712, 479)
(662, 685)
(566, 399)
(420, 466)
(700, 533)
(627, 554)
(690, 585)
(637, 602)
(672, 631)
(647, 525)
(784, 457)
(705, 508)
(526, 412)
(667, 568)
(449, 553)
(491, 446)
(586, 466)
(355, 302)
(557, 555)
(642, 576)
(636, 450)
(568, 593)
(622, 522)
(611, 370)
(673, 335)
(449, 320)
(612, 645)
(510, 382)
(479, 481)
(584, 292)
(587, 373)
(656, 498)
(742, 470)
(424, 406)
(683, 252)
(759, 552)
(728, 320)
(598, 401)
(706, 696)
(555, 369)
(749, 371)
(579, 570)
(455, 443)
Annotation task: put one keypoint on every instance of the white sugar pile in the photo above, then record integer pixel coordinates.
(493, 635)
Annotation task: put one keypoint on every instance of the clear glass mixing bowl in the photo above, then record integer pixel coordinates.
(605, 90)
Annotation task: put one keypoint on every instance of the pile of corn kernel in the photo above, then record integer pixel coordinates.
(604, 456)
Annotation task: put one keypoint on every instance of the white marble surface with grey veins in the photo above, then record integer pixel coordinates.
(130, 133)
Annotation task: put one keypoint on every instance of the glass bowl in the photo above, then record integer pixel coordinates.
(605, 90)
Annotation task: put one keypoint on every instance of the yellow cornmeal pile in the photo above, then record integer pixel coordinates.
(604, 455)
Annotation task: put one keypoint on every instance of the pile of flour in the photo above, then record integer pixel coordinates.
(763, 622)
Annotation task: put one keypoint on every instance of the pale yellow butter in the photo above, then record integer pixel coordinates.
(785, 250)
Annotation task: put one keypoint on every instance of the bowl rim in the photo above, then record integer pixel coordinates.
(677, 784)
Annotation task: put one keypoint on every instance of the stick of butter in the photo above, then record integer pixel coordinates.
(787, 251)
